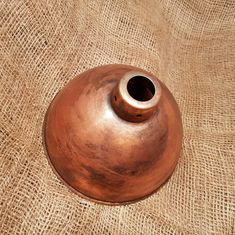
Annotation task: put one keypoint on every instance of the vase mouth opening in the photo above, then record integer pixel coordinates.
(139, 90)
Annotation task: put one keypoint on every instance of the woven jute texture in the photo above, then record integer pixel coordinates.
(188, 44)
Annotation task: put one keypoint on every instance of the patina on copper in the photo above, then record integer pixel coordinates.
(113, 134)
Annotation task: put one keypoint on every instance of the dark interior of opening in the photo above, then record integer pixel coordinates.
(140, 88)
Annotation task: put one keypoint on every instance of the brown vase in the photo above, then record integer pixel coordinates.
(113, 134)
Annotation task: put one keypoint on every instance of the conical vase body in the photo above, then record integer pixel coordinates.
(113, 134)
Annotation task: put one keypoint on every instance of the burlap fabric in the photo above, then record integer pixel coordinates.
(188, 44)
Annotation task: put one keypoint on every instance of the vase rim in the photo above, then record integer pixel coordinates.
(139, 104)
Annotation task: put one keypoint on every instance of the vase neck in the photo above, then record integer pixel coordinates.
(136, 96)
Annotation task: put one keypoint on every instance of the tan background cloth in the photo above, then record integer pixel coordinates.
(188, 44)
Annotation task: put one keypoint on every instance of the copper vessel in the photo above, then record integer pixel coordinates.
(113, 134)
